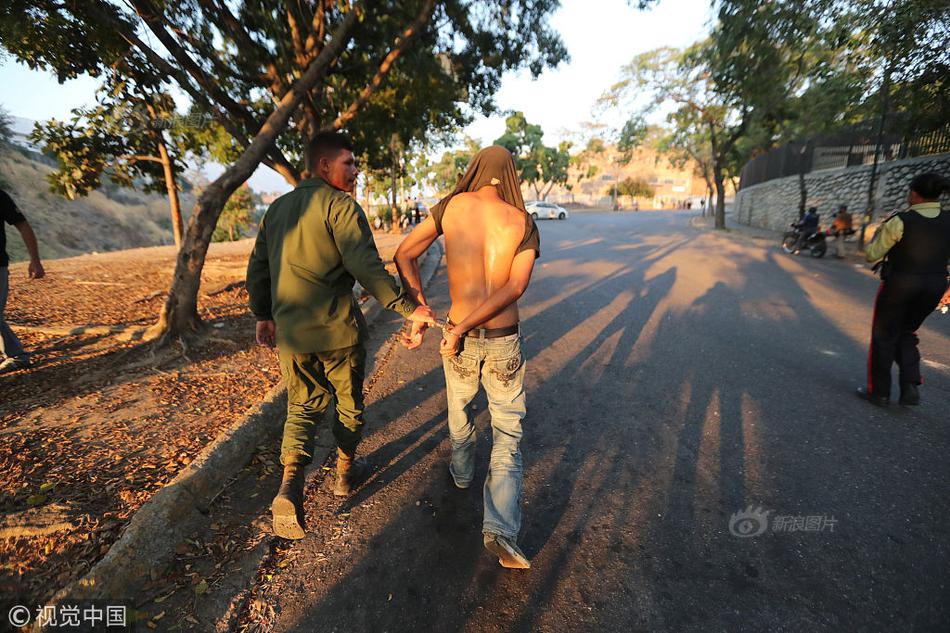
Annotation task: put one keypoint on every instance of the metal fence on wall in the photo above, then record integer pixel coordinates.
(851, 147)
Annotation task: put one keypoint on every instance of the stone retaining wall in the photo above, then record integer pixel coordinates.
(774, 204)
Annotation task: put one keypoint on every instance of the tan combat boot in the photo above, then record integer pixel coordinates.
(287, 506)
(349, 472)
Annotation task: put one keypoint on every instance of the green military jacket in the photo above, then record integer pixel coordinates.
(311, 245)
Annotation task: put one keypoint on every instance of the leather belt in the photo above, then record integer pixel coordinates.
(491, 332)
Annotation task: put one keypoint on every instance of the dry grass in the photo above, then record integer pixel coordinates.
(95, 223)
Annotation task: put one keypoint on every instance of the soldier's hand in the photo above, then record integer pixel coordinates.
(423, 314)
(267, 333)
(417, 333)
(36, 270)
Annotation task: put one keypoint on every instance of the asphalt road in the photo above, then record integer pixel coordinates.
(675, 377)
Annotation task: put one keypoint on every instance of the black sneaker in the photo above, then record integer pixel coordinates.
(909, 394)
(875, 399)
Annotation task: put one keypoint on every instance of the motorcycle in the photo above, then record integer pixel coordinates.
(815, 244)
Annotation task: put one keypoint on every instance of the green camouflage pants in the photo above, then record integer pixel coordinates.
(311, 380)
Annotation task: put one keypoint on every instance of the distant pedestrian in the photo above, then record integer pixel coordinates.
(914, 247)
(12, 354)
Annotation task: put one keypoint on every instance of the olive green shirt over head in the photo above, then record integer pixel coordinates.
(312, 245)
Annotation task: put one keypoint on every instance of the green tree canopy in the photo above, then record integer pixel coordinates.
(631, 187)
(273, 75)
(539, 165)
(237, 217)
(444, 174)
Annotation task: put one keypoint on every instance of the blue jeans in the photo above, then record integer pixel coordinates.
(9, 343)
(499, 365)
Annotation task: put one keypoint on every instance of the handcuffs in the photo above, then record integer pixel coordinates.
(443, 325)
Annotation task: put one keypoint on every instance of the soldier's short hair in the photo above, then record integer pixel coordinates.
(328, 144)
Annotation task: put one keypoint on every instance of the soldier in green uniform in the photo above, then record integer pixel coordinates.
(313, 243)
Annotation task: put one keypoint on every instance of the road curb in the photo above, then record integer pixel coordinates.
(175, 510)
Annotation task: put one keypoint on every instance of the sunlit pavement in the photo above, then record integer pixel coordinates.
(695, 458)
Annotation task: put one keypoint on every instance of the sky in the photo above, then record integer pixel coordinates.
(600, 35)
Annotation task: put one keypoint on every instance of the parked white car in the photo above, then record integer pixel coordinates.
(541, 210)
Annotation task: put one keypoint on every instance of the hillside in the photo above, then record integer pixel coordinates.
(106, 220)
(671, 184)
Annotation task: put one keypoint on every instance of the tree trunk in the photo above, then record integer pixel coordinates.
(868, 216)
(802, 188)
(179, 315)
(170, 185)
(720, 182)
(397, 225)
(718, 178)
(393, 174)
(616, 189)
(707, 203)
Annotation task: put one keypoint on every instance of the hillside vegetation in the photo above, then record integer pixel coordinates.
(106, 220)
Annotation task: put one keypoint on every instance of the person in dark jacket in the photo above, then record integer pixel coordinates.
(12, 354)
(807, 227)
(915, 248)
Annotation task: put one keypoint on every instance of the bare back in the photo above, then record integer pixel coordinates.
(482, 233)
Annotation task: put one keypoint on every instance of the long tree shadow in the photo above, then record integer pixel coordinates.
(649, 424)
(544, 328)
(456, 511)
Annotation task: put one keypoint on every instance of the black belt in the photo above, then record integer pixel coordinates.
(491, 332)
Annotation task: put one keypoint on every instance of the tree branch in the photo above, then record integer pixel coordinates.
(151, 17)
(135, 158)
(247, 44)
(237, 173)
(275, 158)
(318, 30)
(384, 68)
(293, 21)
(276, 161)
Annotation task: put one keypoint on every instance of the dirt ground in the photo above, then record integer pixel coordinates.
(101, 422)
